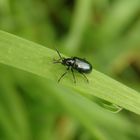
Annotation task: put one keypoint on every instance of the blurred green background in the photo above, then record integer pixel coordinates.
(106, 32)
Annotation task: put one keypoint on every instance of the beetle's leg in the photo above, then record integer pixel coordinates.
(73, 75)
(85, 77)
(63, 75)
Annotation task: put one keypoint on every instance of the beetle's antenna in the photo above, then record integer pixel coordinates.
(58, 54)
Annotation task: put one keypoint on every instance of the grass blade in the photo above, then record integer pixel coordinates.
(34, 58)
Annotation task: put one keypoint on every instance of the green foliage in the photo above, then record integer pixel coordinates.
(17, 52)
(33, 106)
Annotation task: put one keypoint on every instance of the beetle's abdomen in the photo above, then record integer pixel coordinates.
(82, 65)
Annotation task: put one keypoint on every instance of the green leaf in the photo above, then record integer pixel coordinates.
(36, 59)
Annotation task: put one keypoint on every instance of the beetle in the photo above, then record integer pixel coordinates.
(74, 63)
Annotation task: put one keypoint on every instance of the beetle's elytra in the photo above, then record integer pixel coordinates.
(74, 63)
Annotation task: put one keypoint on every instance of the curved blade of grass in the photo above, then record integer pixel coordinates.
(34, 58)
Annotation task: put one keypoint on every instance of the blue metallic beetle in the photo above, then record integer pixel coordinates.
(74, 63)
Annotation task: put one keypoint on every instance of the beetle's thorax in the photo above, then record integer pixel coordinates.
(68, 61)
